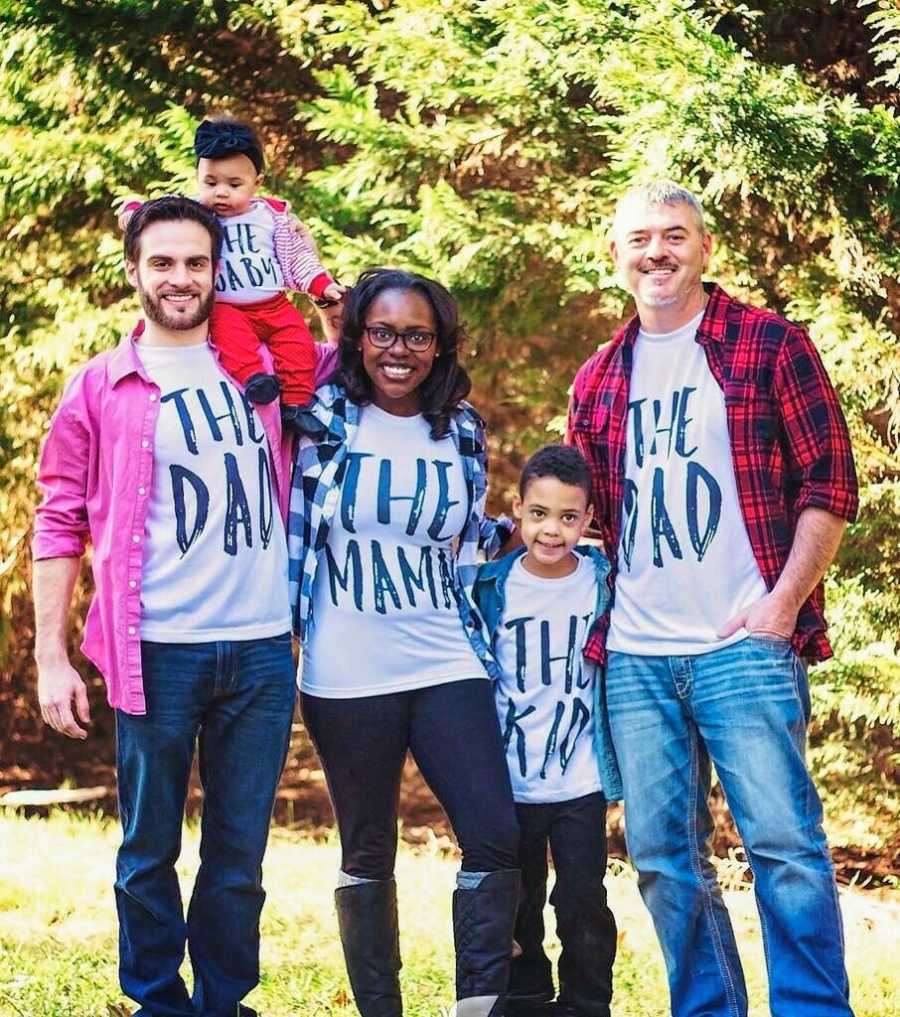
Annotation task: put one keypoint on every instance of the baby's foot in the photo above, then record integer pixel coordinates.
(262, 388)
(292, 416)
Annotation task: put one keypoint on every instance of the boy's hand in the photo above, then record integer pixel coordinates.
(334, 291)
(123, 218)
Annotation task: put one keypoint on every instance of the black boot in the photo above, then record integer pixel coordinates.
(483, 923)
(262, 388)
(367, 920)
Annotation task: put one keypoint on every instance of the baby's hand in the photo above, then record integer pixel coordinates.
(334, 291)
(129, 206)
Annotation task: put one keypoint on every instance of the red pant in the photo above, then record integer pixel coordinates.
(237, 331)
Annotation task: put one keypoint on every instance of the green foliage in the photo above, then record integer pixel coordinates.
(486, 143)
(885, 24)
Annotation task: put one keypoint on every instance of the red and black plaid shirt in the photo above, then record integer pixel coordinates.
(789, 440)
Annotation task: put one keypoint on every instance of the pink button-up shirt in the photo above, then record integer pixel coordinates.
(95, 472)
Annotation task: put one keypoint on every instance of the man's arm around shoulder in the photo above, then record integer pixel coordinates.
(591, 374)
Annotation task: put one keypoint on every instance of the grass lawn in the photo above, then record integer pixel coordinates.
(58, 930)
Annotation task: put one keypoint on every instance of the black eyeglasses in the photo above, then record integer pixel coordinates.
(416, 340)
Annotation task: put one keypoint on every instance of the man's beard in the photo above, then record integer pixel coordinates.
(686, 286)
(661, 301)
(157, 312)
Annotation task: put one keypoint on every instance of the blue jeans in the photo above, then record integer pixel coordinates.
(238, 699)
(745, 708)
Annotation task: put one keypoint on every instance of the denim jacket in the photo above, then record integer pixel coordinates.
(331, 423)
(490, 599)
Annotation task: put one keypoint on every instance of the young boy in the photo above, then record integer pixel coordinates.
(538, 605)
(265, 252)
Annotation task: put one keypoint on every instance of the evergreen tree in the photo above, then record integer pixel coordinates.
(486, 143)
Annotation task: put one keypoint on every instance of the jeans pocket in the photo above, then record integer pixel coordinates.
(769, 639)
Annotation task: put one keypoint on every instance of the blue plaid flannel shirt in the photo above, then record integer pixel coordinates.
(331, 423)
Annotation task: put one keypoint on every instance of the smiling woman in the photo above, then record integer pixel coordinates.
(398, 349)
(386, 515)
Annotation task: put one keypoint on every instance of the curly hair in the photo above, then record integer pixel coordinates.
(447, 384)
(562, 462)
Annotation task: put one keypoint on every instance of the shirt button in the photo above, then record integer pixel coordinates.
(145, 443)
(132, 583)
(142, 490)
(136, 538)
(152, 397)
(130, 630)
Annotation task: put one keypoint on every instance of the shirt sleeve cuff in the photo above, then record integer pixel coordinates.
(56, 545)
(840, 503)
(319, 284)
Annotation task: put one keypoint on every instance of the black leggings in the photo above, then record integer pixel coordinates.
(454, 736)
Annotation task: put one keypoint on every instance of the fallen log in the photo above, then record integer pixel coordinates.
(53, 796)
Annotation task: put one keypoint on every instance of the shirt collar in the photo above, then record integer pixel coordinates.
(712, 324)
(499, 568)
(125, 360)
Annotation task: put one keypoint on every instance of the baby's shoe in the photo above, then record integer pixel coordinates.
(293, 418)
(262, 388)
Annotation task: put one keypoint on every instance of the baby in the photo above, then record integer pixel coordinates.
(265, 252)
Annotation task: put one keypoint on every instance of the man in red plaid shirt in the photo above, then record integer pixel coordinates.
(723, 480)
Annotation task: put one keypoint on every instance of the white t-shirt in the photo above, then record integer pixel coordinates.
(685, 561)
(248, 271)
(385, 616)
(545, 699)
(215, 554)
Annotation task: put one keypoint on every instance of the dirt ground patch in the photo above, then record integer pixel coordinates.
(42, 759)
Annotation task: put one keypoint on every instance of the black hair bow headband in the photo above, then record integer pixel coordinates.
(218, 140)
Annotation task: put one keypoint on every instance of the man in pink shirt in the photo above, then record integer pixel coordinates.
(180, 484)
